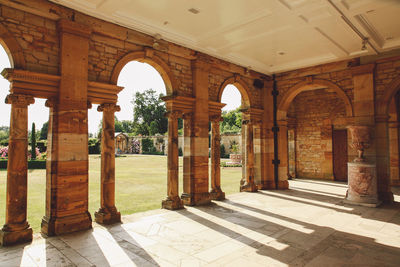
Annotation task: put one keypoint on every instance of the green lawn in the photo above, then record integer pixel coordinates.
(140, 185)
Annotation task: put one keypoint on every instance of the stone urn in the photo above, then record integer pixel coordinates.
(360, 140)
(235, 159)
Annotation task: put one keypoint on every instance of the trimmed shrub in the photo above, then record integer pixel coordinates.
(94, 146)
(148, 146)
(32, 164)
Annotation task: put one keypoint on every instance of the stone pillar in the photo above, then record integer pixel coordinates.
(283, 155)
(17, 229)
(257, 143)
(364, 115)
(188, 182)
(394, 153)
(267, 178)
(216, 192)
(248, 185)
(67, 159)
(382, 159)
(173, 200)
(108, 213)
(394, 126)
(199, 139)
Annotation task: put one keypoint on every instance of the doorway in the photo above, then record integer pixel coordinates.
(339, 140)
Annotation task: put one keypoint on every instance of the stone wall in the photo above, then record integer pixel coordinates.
(314, 113)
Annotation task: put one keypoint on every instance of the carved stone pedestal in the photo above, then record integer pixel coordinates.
(104, 216)
(249, 187)
(172, 204)
(196, 199)
(362, 184)
(15, 236)
(217, 195)
(68, 224)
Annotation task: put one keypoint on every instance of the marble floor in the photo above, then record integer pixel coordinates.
(307, 225)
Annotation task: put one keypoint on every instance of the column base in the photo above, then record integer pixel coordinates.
(250, 187)
(107, 216)
(58, 226)
(172, 204)
(217, 195)
(266, 185)
(370, 205)
(283, 184)
(196, 199)
(8, 238)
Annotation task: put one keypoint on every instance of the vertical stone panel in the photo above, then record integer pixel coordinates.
(199, 142)
(67, 172)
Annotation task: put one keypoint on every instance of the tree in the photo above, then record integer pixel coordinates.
(43, 131)
(33, 141)
(4, 134)
(232, 121)
(148, 113)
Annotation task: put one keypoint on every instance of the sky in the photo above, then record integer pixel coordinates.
(135, 77)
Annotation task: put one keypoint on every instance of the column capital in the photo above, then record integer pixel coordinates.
(19, 100)
(216, 118)
(187, 116)
(110, 107)
(173, 114)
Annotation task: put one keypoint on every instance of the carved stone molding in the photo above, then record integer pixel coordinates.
(19, 100)
(173, 115)
(108, 107)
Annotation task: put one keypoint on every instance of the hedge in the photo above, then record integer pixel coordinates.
(32, 164)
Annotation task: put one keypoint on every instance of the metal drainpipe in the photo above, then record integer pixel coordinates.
(275, 130)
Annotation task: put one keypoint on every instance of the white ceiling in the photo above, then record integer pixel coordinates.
(266, 35)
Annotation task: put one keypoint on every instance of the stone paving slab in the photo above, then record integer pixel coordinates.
(307, 225)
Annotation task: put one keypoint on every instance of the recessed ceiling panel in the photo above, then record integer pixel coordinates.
(267, 35)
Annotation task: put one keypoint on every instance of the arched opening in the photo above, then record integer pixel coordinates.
(141, 139)
(316, 115)
(37, 144)
(231, 139)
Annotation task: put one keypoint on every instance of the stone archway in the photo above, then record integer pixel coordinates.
(171, 86)
(240, 85)
(310, 85)
(13, 49)
(323, 134)
(148, 56)
(251, 122)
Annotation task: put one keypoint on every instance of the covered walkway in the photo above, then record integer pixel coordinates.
(306, 225)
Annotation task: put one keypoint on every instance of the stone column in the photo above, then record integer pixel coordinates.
(173, 200)
(188, 182)
(199, 139)
(108, 213)
(216, 192)
(17, 229)
(257, 143)
(248, 185)
(283, 155)
(365, 115)
(67, 188)
(382, 159)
